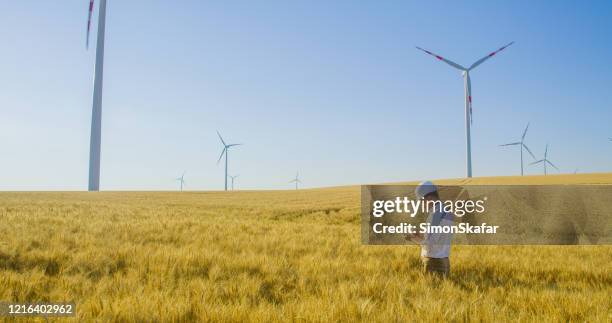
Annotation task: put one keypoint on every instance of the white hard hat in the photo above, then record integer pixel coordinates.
(424, 189)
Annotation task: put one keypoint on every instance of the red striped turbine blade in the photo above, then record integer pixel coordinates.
(499, 50)
(447, 61)
(91, 5)
(482, 60)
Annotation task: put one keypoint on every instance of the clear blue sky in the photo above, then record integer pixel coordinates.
(335, 89)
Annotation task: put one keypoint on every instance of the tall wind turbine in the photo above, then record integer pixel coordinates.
(296, 180)
(225, 151)
(96, 111)
(181, 180)
(233, 178)
(545, 161)
(522, 145)
(468, 97)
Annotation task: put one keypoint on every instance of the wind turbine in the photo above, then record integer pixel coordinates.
(545, 161)
(233, 178)
(225, 151)
(96, 111)
(181, 180)
(468, 97)
(522, 145)
(296, 180)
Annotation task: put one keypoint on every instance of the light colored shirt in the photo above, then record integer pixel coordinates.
(437, 245)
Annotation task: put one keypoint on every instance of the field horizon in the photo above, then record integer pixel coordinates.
(551, 179)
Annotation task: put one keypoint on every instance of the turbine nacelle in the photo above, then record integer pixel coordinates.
(225, 147)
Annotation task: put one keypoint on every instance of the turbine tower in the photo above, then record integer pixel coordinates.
(545, 161)
(296, 180)
(225, 151)
(468, 97)
(181, 180)
(96, 111)
(233, 178)
(522, 145)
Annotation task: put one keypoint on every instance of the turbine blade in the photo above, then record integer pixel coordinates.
(482, 60)
(91, 5)
(221, 156)
(449, 62)
(469, 95)
(525, 132)
(546, 151)
(537, 162)
(218, 134)
(510, 144)
(529, 151)
(232, 145)
(551, 164)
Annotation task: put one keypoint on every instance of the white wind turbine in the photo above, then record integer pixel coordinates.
(181, 180)
(522, 145)
(225, 151)
(545, 161)
(468, 97)
(296, 180)
(96, 112)
(233, 178)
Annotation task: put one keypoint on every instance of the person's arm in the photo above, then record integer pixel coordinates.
(417, 237)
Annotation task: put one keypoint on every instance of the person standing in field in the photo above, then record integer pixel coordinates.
(435, 247)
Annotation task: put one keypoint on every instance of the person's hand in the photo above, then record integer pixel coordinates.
(416, 237)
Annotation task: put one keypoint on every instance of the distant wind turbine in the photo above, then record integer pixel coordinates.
(233, 178)
(296, 180)
(181, 180)
(225, 151)
(576, 171)
(468, 97)
(522, 145)
(545, 161)
(96, 113)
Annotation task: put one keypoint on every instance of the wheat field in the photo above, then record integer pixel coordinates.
(276, 256)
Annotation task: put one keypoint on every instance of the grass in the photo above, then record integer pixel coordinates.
(275, 256)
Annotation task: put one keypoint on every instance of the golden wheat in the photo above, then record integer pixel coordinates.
(272, 256)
